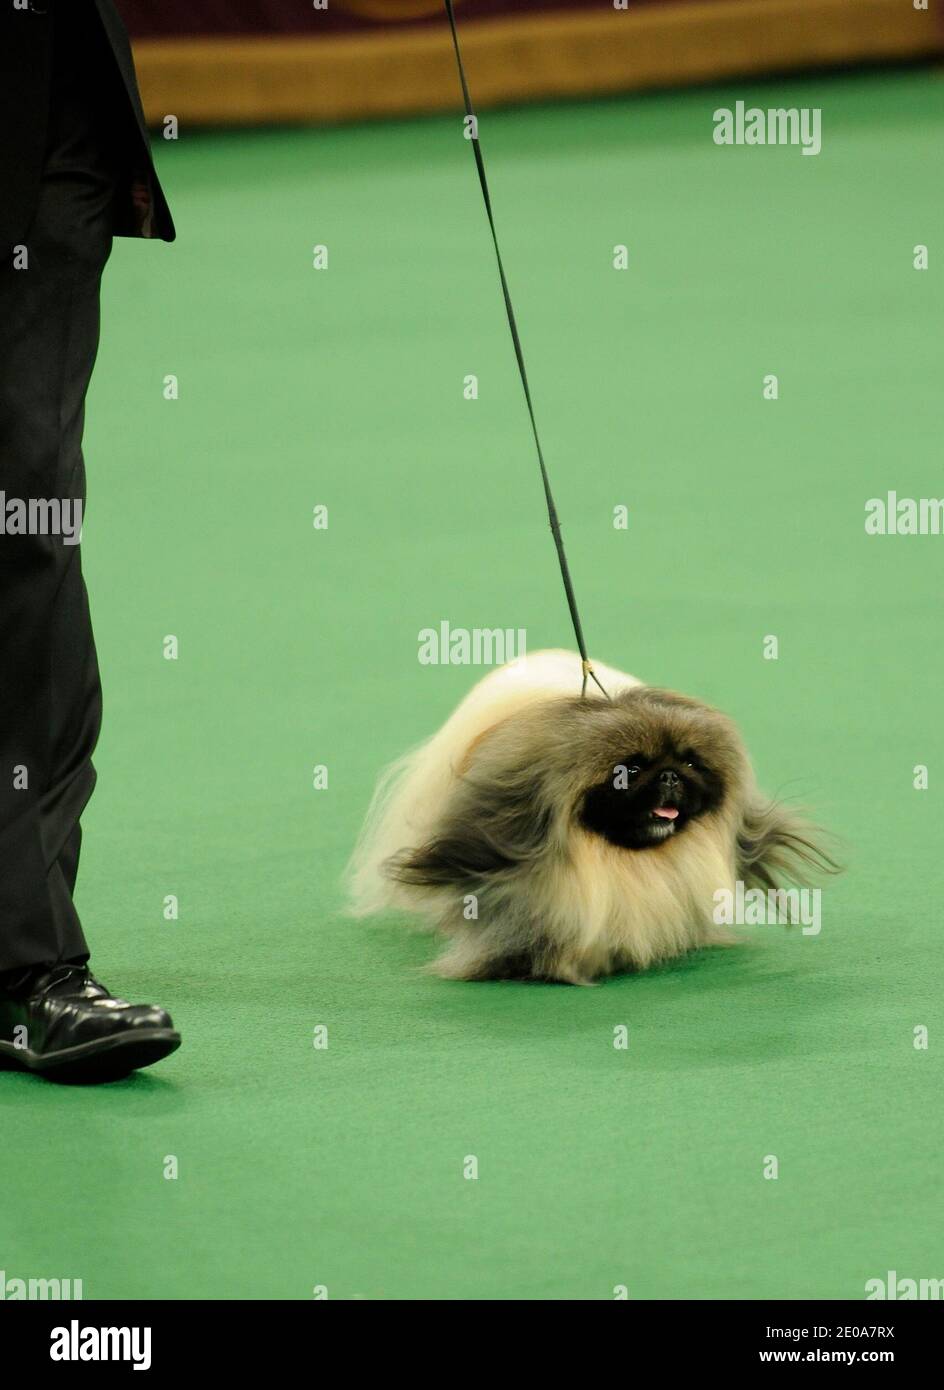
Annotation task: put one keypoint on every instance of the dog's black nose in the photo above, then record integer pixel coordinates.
(669, 778)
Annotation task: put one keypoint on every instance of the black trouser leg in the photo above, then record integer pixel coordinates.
(50, 697)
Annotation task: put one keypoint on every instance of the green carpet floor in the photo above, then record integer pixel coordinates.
(343, 1167)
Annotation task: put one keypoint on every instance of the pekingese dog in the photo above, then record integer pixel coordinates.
(558, 837)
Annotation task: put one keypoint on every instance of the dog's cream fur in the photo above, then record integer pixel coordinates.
(601, 909)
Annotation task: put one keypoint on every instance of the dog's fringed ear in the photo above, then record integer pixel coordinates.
(490, 829)
(773, 840)
(448, 859)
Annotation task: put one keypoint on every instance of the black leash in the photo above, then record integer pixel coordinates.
(512, 324)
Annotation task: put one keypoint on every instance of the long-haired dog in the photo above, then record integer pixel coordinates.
(556, 837)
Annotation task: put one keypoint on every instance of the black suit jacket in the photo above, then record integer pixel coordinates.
(25, 66)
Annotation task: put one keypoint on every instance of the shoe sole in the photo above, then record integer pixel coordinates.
(104, 1059)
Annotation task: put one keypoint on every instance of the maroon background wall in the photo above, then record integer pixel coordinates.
(250, 61)
(166, 18)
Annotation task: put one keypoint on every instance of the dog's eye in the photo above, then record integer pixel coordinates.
(622, 772)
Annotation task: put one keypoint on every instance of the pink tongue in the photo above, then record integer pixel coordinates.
(666, 812)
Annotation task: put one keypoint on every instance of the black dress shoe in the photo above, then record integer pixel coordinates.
(60, 1022)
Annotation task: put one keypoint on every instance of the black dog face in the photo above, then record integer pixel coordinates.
(650, 798)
